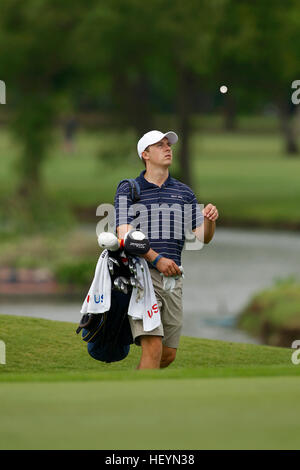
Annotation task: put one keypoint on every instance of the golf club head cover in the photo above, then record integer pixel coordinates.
(136, 243)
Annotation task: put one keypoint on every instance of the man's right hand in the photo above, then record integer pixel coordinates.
(165, 265)
(168, 267)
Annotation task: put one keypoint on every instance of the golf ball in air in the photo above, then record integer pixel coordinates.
(223, 89)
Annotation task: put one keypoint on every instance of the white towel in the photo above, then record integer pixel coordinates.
(146, 308)
(99, 296)
(98, 299)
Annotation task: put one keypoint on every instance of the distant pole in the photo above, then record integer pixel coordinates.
(2, 92)
(2, 353)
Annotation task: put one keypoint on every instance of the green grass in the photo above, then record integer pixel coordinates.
(247, 176)
(216, 395)
(248, 413)
(40, 349)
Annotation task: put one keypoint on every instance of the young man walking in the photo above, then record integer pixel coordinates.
(159, 191)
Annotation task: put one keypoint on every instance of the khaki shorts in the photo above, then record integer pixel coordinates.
(170, 305)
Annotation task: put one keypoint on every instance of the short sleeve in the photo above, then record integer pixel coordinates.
(193, 216)
(122, 203)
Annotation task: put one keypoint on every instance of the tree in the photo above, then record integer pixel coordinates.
(37, 62)
(186, 32)
(232, 50)
(273, 57)
(160, 47)
(114, 51)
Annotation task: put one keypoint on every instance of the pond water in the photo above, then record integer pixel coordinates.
(219, 281)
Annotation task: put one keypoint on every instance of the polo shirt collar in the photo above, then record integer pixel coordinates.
(146, 184)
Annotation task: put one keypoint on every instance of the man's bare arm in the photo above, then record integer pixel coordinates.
(123, 229)
(205, 231)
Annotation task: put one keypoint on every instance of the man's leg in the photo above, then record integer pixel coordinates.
(151, 352)
(168, 356)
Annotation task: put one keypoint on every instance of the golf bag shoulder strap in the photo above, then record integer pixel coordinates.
(135, 189)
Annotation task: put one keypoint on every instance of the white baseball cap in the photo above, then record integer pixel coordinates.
(153, 137)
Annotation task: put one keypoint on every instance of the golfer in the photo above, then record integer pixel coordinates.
(158, 191)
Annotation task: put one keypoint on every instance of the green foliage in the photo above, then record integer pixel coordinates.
(135, 59)
(48, 250)
(36, 213)
(234, 171)
(76, 273)
(116, 148)
(285, 281)
(274, 313)
(37, 60)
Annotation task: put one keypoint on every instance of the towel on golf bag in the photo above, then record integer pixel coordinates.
(145, 309)
(98, 299)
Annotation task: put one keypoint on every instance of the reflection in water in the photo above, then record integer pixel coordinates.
(219, 281)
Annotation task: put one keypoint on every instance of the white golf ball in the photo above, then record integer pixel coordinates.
(223, 89)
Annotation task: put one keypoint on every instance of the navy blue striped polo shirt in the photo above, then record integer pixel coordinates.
(163, 213)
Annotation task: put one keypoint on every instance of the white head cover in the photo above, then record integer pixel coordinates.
(153, 137)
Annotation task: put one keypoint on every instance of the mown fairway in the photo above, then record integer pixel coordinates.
(217, 395)
(231, 413)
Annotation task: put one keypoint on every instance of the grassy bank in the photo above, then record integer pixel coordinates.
(217, 395)
(273, 315)
(40, 349)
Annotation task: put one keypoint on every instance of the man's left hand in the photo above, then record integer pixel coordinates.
(210, 212)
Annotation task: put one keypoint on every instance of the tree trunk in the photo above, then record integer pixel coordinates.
(30, 175)
(33, 127)
(287, 127)
(230, 123)
(185, 131)
(140, 107)
(132, 101)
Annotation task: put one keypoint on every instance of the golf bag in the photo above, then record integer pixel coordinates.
(108, 335)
